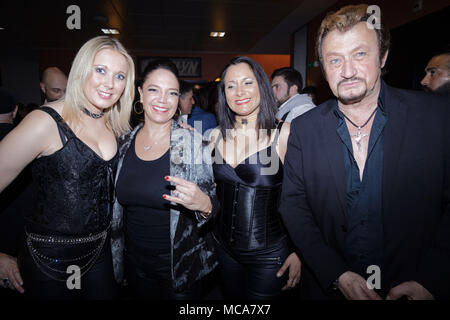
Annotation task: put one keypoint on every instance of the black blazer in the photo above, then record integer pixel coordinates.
(415, 191)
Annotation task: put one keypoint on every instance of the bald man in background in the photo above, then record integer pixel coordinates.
(437, 78)
(53, 84)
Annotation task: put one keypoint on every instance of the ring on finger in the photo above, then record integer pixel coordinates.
(6, 282)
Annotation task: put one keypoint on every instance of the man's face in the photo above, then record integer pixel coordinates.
(351, 63)
(280, 89)
(55, 87)
(437, 78)
(186, 102)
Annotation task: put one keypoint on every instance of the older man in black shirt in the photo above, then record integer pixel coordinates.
(366, 189)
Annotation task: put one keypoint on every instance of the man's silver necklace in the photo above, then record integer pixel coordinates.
(358, 136)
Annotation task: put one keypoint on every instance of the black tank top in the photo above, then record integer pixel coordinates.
(139, 190)
(249, 197)
(73, 188)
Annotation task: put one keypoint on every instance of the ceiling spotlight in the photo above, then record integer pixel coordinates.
(217, 34)
(110, 31)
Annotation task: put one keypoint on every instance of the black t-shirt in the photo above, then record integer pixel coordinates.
(140, 188)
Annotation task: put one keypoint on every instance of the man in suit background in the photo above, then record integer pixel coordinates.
(366, 190)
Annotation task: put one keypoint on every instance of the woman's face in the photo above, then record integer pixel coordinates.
(107, 80)
(242, 90)
(159, 95)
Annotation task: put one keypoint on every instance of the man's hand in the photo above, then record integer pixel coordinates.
(412, 290)
(354, 287)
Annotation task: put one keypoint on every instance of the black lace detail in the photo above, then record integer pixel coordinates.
(73, 188)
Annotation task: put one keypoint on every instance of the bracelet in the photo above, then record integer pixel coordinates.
(205, 214)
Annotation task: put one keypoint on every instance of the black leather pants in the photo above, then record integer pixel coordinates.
(252, 274)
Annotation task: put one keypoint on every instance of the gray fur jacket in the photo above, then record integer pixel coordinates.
(192, 248)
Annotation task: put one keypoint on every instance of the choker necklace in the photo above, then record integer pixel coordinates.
(358, 136)
(92, 115)
(245, 120)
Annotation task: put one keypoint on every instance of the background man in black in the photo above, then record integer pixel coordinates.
(8, 111)
(53, 84)
(437, 77)
(11, 221)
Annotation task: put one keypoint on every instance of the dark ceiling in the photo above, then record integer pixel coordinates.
(164, 25)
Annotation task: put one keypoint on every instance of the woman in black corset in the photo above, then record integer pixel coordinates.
(72, 143)
(253, 248)
(165, 197)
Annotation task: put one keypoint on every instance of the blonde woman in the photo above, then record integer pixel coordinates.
(73, 149)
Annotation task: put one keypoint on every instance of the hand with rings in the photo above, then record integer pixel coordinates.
(9, 273)
(189, 195)
(294, 265)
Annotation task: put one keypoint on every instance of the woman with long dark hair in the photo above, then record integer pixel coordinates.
(249, 146)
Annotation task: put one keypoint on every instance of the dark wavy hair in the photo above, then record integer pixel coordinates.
(160, 64)
(267, 106)
(154, 65)
(291, 76)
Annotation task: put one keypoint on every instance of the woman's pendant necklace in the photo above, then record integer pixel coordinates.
(150, 146)
(160, 140)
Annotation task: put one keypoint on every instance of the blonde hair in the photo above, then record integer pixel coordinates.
(345, 19)
(116, 117)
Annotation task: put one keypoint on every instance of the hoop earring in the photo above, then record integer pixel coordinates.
(134, 108)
